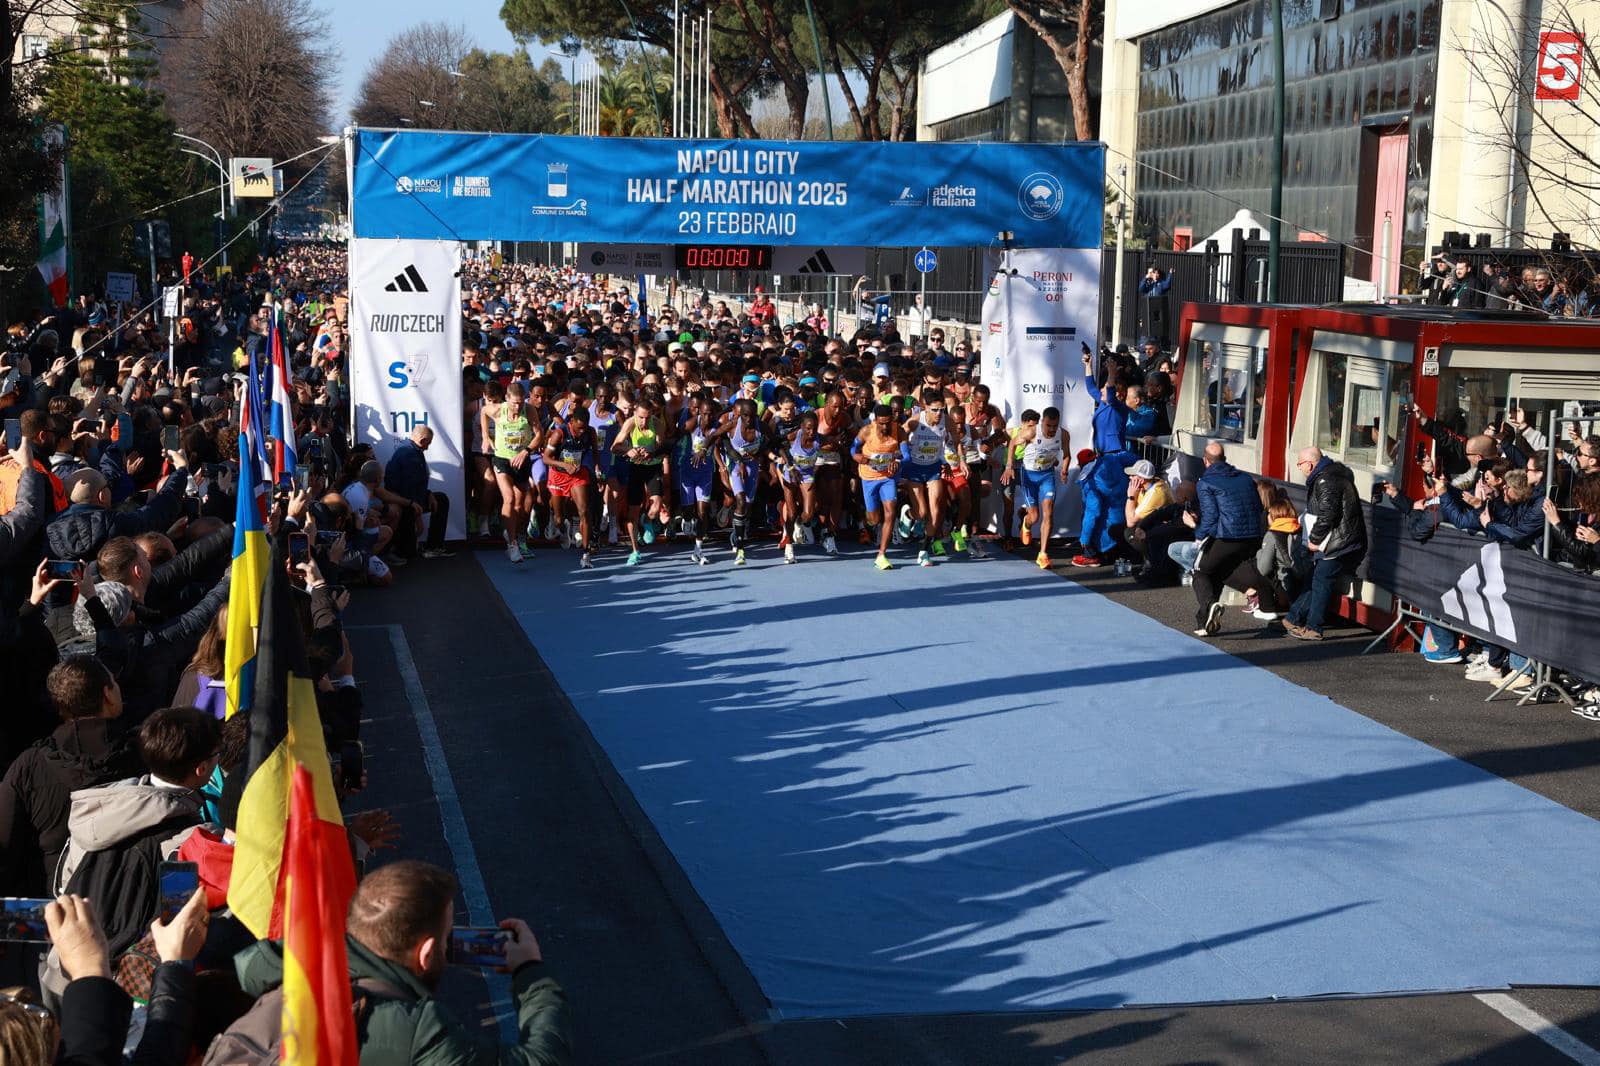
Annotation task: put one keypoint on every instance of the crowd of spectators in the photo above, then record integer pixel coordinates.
(585, 421)
(1557, 292)
(118, 492)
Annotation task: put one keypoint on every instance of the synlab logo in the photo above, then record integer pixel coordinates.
(597, 258)
(408, 373)
(907, 198)
(1040, 196)
(408, 280)
(819, 263)
(1479, 597)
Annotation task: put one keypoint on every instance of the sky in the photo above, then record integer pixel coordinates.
(364, 27)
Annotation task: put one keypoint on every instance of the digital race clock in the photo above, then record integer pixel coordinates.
(722, 256)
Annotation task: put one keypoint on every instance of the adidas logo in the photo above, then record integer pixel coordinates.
(407, 280)
(819, 264)
(1479, 597)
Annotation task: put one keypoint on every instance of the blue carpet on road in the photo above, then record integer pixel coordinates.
(983, 788)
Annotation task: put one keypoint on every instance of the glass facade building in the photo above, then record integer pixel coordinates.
(1359, 74)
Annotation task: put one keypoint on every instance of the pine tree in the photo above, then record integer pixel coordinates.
(123, 158)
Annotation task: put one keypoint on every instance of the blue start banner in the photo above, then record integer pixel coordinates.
(484, 186)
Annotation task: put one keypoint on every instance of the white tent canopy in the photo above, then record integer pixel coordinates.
(1243, 220)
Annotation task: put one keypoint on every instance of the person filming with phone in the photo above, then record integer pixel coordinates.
(400, 932)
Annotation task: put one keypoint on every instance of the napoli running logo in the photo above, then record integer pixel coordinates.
(1040, 196)
(402, 184)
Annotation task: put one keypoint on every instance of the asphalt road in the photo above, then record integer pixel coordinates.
(560, 842)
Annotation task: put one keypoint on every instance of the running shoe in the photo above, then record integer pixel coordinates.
(573, 538)
(1043, 561)
(1265, 616)
(905, 524)
(527, 548)
(976, 550)
(649, 534)
(865, 536)
(829, 545)
(960, 537)
(585, 563)
(938, 547)
(788, 553)
(924, 559)
(883, 563)
(784, 540)
(438, 553)
(1252, 603)
(472, 523)
(633, 559)
(1087, 560)
(1213, 622)
(738, 557)
(513, 554)
(896, 537)
(704, 559)
(806, 535)
(1027, 534)
(552, 531)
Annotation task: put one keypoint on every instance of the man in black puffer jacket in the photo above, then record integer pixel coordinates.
(1337, 539)
(82, 529)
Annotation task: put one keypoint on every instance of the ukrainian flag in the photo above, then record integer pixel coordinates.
(249, 575)
(286, 742)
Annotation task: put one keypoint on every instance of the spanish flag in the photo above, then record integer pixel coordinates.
(318, 1026)
(285, 731)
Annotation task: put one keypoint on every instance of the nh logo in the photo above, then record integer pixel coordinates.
(407, 280)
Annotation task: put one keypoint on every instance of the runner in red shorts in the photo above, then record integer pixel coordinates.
(569, 453)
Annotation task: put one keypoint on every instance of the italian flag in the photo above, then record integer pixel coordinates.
(52, 263)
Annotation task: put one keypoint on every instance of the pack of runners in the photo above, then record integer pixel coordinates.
(593, 430)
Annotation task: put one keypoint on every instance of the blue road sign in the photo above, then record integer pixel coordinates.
(927, 261)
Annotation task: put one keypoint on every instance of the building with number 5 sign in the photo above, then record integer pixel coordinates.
(1404, 120)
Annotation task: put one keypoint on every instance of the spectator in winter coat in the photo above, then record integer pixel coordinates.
(1505, 509)
(81, 753)
(1337, 539)
(83, 528)
(399, 930)
(1576, 537)
(1229, 531)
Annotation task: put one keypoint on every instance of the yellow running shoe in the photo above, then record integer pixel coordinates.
(1043, 561)
(883, 563)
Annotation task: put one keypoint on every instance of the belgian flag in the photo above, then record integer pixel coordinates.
(285, 732)
(318, 1026)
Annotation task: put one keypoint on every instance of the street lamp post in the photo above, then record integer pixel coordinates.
(570, 46)
(222, 193)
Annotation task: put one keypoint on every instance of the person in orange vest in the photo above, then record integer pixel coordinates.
(36, 428)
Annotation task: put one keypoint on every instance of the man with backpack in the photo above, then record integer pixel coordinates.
(398, 943)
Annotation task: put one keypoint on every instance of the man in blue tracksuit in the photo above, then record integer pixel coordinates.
(1105, 485)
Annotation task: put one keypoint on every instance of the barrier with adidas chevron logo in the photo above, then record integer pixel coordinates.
(1508, 596)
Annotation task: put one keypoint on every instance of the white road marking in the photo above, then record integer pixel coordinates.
(1526, 1017)
(456, 835)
